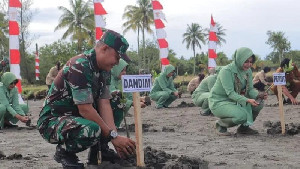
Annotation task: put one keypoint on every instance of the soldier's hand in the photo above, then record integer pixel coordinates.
(124, 146)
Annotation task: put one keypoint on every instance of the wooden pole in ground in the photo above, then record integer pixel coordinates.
(281, 112)
(138, 130)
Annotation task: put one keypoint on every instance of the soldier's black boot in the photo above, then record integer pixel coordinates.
(67, 159)
(108, 154)
(93, 155)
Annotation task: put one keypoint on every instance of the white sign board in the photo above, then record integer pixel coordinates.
(279, 79)
(136, 83)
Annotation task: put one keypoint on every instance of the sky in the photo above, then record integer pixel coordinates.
(246, 22)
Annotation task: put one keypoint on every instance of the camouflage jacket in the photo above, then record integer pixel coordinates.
(80, 81)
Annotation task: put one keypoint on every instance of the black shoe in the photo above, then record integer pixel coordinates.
(93, 155)
(207, 113)
(108, 154)
(165, 106)
(9, 125)
(67, 159)
(246, 130)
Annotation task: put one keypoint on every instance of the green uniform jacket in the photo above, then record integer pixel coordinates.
(202, 91)
(9, 98)
(232, 81)
(163, 83)
(116, 83)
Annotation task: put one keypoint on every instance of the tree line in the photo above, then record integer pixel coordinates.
(78, 20)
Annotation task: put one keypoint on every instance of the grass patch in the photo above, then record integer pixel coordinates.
(34, 92)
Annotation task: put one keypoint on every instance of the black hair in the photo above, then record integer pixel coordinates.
(253, 58)
(201, 76)
(58, 65)
(284, 62)
(267, 69)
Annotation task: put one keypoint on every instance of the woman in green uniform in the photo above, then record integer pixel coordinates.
(233, 98)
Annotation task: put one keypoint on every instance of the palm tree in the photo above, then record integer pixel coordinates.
(278, 42)
(220, 34)
(79, 21)
(141, 15)
(132, 23)
(3, 36)
(193, 36)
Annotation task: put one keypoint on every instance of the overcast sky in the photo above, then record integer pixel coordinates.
(246, 22)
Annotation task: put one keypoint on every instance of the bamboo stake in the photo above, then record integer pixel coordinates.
(281, 112)
(138, 130)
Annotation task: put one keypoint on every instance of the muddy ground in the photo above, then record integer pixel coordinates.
(176, 137)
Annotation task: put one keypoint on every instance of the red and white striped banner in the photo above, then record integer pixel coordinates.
(99, 11)
(160, 33)
(14, 53)
(37, 64)
(212, 44)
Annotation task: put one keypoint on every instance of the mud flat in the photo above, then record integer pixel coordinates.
(176, 137)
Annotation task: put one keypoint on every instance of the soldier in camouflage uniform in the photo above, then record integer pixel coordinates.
(77, 112)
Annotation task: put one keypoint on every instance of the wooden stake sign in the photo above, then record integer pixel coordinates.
(279, 80)
(138, 130)
(135, 84)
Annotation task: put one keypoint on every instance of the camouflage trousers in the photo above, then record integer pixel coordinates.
(75, 134)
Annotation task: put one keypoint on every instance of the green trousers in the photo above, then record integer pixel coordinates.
(162, 98)
(5, 115)
(231, 115)
(201, 100)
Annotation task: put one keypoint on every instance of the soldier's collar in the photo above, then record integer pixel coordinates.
(92, 54)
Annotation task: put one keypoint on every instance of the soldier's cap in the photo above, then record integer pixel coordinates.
(117, 42)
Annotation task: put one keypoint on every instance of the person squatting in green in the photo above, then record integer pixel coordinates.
(200, 95)
(10, 109)
(120, 102)
(232, 98)
(77, 114)
(163, 90)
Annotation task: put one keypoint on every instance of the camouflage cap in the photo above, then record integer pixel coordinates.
(117, 42)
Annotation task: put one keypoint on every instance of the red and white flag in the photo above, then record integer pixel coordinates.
(161, 33)
(37, 64)
(158, 14)
(14, 53)
(99, 11)
(212, 44)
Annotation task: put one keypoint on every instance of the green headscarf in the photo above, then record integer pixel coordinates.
(168, 69)
(7, 78)
(117, 69)
(241, 55)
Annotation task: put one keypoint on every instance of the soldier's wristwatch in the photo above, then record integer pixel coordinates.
(112, 134)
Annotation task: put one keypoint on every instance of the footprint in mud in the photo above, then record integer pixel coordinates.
(271, 105)
(14, 156)
(185, 104)
(131, 128)
(167, 129)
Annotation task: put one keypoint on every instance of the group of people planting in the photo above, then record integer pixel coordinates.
(85, 104)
